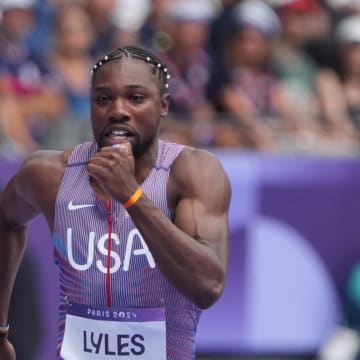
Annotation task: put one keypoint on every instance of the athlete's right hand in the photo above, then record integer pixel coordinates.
(113, 167)
(7, 351)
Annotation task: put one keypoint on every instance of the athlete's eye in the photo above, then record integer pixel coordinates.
(137, 98)
(102, 99)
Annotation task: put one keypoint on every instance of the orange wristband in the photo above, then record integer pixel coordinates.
(4, 330)
(133, 198)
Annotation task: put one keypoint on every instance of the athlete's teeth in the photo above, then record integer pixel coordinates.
(119, 132)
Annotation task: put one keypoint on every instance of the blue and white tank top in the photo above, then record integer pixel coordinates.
(80, 238)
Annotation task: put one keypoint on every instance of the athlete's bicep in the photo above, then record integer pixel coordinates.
(16, 207)
(203, 211)
(28, 192)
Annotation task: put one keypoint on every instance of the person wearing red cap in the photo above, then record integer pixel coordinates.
(300, 5)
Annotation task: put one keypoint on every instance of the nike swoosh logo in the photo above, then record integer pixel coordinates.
(71, 206)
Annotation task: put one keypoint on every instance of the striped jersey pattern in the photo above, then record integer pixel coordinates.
(80, 249)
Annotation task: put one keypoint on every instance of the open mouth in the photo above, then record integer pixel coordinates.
(119, 135)
(116, 136)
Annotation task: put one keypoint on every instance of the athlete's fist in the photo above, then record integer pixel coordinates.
(113, 167)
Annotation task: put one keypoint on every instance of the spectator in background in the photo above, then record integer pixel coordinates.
(219, 26)
(319, 122)
(129, 18)
(101, 13)
(189, 66)
(153, 33)
(243, 85)
(344, 8)
(352, 304)
(39, 38)
(344, 342)
(348, 37)
(294, 66)
(70, 59)
(116, 22)
(28, 96)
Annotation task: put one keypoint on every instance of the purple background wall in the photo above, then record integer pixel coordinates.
(294, 238)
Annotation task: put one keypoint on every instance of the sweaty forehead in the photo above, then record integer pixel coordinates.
(126, 71)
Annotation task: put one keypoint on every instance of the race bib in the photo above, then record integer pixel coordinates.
(112, 333)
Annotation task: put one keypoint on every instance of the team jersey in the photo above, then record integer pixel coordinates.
(81, 234)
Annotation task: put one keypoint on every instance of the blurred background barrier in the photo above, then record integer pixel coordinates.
(294, 242)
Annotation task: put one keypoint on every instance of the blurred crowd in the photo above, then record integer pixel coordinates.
(262, 75)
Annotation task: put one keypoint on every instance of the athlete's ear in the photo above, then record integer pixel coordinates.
(165, 102)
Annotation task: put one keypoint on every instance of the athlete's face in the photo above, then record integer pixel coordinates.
(126, 104)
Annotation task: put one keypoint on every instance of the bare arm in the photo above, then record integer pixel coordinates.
(21, 200)
(13, 211)
(191, 251)
(12, 245)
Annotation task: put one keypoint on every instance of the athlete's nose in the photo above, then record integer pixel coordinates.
(119, 111)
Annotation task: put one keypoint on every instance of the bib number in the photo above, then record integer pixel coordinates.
(112, 333)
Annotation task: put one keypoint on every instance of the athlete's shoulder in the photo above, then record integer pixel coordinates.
(188, 153)
(199, 174)
(191, 157)
(33, 188)
(42, 170)
(195, 168)
(41, 161)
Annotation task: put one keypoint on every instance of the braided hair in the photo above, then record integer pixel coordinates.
(136, 52)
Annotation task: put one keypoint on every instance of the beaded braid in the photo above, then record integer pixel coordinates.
(139, 53)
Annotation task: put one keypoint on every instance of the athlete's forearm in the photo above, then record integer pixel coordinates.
(12, 245)
(189, 264)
